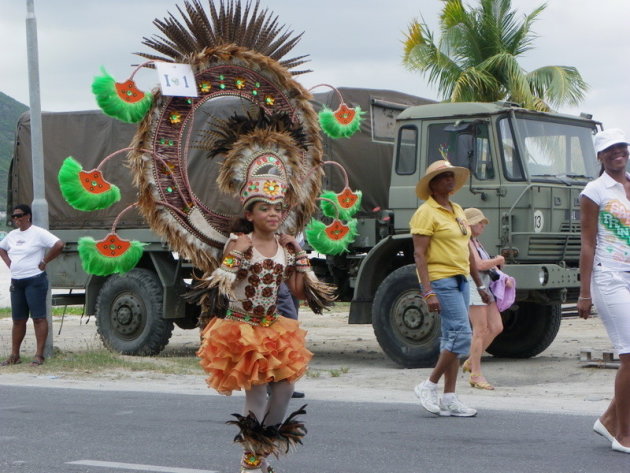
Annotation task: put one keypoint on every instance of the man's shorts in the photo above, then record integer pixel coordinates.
(28, 295)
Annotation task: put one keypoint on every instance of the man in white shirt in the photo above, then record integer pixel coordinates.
(26, 251)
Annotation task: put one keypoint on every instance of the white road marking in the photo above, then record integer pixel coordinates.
(138, 467)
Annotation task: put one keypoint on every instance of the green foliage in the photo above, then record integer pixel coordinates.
(476, 58)
(10, 111)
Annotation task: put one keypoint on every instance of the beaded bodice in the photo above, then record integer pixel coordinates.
(256, 287)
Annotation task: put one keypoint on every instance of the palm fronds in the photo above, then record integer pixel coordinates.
(476, 57)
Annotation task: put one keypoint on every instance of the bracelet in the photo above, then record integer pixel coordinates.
(481, 288)
(584, 298)
(427, 294)
(232, 261)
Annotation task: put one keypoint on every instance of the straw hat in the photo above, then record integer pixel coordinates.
(475, 216)
(437, 168)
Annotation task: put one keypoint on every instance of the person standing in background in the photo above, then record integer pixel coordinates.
(26, 251)
(484, 316)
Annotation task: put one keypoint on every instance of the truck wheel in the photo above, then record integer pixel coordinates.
(405, 329)
(129, 314)
(528, 330)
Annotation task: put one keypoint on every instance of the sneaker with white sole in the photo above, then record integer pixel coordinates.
(428, 396)
(456, 408)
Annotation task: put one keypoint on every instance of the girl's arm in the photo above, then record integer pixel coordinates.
(420, 246)
(295, 282)
(484, 264)
(474, 273)
(589, 211)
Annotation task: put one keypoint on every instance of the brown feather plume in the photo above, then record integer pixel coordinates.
(255, 29)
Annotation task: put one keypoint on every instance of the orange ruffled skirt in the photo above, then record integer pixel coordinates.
(237, 355)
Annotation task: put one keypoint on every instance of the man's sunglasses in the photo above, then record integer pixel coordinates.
(17, 215)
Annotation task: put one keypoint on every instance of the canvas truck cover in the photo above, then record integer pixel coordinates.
(367, 155)
(90, 136)
(87, 136)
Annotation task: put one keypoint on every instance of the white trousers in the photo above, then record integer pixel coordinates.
(611, 296)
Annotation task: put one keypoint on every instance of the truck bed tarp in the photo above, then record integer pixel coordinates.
(90, 136)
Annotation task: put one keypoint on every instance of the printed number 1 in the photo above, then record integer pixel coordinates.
(168, 83)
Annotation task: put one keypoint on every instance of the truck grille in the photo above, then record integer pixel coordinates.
(564, 246)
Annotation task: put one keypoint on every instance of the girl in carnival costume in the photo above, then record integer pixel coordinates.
(248, 345)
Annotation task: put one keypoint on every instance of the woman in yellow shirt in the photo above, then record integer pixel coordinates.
(440, 237)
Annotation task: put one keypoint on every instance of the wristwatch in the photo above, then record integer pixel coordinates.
(481, 288)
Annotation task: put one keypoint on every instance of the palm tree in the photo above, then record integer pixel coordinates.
(476, 58)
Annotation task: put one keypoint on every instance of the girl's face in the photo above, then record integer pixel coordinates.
(614, 158)
(477, 229)
(265, 216)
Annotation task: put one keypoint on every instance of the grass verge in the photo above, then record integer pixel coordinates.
(101, 361)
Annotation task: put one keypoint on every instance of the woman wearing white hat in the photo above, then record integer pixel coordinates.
(605, 271)
(440, 237)
(484, 316)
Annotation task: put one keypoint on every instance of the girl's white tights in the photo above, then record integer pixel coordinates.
(273, 405)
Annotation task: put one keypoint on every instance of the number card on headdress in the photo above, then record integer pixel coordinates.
(176, 79)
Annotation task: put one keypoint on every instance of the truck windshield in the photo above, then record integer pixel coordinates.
(551, 151)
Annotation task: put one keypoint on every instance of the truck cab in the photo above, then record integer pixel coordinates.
(526, 172)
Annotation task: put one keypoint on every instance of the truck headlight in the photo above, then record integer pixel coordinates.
(543, 276)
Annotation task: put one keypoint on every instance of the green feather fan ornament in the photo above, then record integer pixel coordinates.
(331, 239)
(121, 100)
(83, 190)
(343, 205)
(110, 255)
(342, 123)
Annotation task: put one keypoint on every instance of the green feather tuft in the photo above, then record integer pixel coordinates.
(331, 126)
(107, 98)
(319, 240)
(335, 210)
(94, 262)
(76, 195)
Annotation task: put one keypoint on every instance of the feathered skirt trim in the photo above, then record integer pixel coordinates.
(237, 355)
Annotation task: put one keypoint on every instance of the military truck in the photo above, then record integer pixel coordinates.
(527, 169)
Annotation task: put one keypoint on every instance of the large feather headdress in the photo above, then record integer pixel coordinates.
(269, 135)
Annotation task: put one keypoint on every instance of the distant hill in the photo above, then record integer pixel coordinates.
(10, 111)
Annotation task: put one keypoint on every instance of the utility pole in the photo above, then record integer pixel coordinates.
(40, 204)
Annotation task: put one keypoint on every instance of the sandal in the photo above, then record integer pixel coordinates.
(12, 360)
(37, 361)
(480, 384)
(466, 366)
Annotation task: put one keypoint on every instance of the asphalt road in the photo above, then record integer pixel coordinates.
(44, 430)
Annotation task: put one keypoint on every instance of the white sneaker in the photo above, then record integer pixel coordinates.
(456, 408)
(428, 396)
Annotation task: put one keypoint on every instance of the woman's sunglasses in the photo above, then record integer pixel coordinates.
(17, 215)
(462, 225)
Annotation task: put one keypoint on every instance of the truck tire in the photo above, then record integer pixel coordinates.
(405, 329)
(129, 314)
(528, 330)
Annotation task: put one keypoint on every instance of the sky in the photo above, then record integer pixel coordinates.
(356, 43)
